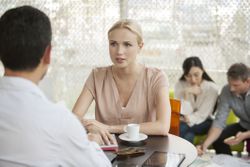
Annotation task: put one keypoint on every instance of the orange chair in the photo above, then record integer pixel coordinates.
(175, 116)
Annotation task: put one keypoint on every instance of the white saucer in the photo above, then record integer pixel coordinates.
(124, 137)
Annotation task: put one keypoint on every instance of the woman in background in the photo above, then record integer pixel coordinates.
(198, 94)
(125, 92)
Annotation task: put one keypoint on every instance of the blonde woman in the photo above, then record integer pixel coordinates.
(125, 92)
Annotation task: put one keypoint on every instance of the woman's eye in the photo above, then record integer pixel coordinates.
(127, 44)
(112, 44)
(196, 75)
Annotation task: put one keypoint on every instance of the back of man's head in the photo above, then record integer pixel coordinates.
(25, 32)
(238, 71)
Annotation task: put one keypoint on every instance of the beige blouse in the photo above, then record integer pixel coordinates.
(201, 108)
(141, 104)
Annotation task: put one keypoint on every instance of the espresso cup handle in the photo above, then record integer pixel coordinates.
(125, 129)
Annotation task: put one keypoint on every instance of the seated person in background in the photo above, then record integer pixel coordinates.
(34, 131)
(125, 92)
(236, 96)
(198, 94)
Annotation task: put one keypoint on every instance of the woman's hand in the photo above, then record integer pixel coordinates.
(96, 138)
(195, 89)
(96, 127)
(184, 118)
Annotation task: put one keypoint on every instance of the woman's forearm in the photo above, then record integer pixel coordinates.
(149, 128)
(82, 104)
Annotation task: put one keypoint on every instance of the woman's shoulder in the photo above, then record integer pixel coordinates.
(209, 85)
(154, 72)
(101, 72)
(155, 77)
(101, 69)
(181, 84)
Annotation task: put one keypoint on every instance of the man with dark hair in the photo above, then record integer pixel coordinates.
(34, 131)
(236, 96)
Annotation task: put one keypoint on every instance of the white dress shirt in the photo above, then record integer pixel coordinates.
(199, 109)
(36, 132)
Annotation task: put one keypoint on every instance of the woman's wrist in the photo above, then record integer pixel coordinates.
(109, 128)
(186, 119)
(116, 128)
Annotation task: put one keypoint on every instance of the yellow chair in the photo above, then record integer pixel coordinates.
(171, 93)
(175, 116)
(232, 118)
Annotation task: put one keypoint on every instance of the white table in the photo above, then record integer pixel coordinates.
(180, 145)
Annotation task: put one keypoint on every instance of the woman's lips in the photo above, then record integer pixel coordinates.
(120, 60)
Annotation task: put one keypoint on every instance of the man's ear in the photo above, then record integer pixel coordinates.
(248, 80)
(46, 55)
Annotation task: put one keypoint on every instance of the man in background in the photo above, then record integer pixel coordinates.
(236, 96)
(33, 130)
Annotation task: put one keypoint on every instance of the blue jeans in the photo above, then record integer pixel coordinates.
(189, 133)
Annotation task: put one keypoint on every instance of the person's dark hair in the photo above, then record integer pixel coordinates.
(238, 71)
(25, 32)
(193, 62)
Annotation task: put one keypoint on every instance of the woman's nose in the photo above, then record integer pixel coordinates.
(120, 50)
(193, 80)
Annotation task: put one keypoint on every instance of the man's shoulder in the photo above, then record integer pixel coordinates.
(226, 89)
(59, 107)
(226, 93)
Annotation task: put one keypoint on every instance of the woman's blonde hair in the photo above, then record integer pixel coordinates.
(130, 25)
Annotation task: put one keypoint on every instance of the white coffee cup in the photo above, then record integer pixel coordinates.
(133, 131)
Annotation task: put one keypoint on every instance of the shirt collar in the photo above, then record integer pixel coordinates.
(20, 84)
(248, 92)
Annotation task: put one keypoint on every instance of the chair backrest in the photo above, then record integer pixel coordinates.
(175, 116)
(171, 93)
(232, 118)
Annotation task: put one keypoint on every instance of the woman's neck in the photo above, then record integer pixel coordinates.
(128, 72)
